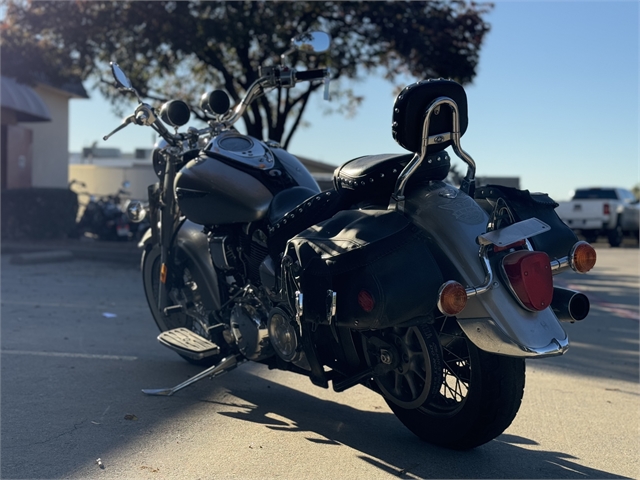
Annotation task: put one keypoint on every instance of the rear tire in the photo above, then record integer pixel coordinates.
(615, 236)
(190, 295)
(478, 398)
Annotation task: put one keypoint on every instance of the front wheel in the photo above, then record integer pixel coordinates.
(477, 399)
(183, 291)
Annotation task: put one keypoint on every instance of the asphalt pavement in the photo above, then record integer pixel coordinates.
(78, 345)
(47, 251)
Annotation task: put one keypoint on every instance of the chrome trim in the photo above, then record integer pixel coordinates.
(299, 306)
(572, 254)
(559, 265)
(514, 233)
(487, 335)
(397, 199)
(556, 347)
(332, 301)
(488, 280)
(563, 263)
(226, 364)
(564, 305)
(440, 290)
(255, 155)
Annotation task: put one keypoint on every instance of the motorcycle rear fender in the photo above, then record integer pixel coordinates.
(493, 320)
(190, 244)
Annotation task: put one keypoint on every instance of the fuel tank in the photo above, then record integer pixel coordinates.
(493, 321)
(235, 178)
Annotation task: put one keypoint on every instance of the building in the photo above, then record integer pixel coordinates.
(103, 171)
(35, 133)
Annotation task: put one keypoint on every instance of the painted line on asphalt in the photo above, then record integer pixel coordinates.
(70, 355)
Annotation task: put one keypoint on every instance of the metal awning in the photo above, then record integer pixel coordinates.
(23, 100)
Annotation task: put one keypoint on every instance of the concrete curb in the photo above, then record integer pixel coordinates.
(26, 253)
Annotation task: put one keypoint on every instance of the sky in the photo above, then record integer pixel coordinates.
(555, 102)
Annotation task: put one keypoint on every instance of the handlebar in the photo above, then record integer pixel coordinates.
(309, 75)
(272, 77)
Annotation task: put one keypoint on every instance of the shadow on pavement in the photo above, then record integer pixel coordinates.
(386, 444)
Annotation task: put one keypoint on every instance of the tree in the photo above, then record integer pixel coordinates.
(181, 49)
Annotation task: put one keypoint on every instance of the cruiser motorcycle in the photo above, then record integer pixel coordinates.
(431, 295)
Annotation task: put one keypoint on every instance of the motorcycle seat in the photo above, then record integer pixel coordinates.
(292, 211)
(285, 201)
(372, 178)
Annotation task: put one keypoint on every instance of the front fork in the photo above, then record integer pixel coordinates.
(168, 219)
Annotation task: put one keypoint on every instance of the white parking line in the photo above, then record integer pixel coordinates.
(69, 355)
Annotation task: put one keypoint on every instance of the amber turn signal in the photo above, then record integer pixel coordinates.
(452, 298)
(582, 257)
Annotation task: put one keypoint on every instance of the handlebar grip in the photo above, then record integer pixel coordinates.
(317, 74)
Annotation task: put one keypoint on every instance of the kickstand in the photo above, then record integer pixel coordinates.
(226, 364)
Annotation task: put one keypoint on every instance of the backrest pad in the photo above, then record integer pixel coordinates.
(411, 105)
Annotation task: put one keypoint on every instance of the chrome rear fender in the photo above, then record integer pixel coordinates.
(492, 320)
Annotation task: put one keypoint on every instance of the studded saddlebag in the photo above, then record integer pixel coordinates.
(377, 263)
(522, 204)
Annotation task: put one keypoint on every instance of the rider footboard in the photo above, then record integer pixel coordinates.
(521, 204)
(364, 269)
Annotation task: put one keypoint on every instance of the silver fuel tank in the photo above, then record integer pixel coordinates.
(235, 178)
(493, 321)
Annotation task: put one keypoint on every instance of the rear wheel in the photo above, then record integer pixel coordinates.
(477, 398)
(615, 236)
(184, 292)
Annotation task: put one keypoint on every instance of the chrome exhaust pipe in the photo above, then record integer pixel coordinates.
(569, 305)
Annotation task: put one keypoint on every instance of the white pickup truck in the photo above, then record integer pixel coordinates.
(612, 212)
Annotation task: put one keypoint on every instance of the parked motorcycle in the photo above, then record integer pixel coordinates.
(105, 217)
(430, 295)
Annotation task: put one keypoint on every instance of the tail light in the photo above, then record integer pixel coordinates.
(582, 257)
(452, 298)
(530, 278)
(605, 209)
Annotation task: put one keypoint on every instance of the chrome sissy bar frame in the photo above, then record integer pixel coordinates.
(468, 184)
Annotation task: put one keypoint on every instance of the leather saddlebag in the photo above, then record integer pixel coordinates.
(376, 262)
(522, 205)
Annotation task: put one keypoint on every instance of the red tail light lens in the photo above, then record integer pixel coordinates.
(605, 209)
(529, 274)
(366, 301)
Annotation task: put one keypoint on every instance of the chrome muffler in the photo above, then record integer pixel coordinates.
(569, 305)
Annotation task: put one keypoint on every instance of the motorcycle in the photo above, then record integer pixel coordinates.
(104, 217)
(433, 296)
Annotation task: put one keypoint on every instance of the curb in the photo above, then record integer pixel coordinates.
(29, 253)
(41, 257)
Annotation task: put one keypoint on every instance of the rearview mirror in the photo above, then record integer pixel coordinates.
(121, 78)
(312, 42)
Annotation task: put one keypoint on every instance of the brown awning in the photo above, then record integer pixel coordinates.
(23, 100)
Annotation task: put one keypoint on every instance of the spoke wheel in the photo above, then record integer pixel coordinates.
(456, 371)
(411, 358)
(476, 399)
(184, 292)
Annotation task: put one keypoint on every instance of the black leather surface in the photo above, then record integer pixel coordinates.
(411, 105)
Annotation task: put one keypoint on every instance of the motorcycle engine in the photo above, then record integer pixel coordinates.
(283, 333)
(250, 333)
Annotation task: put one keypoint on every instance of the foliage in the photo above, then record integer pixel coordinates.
(180, 49)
